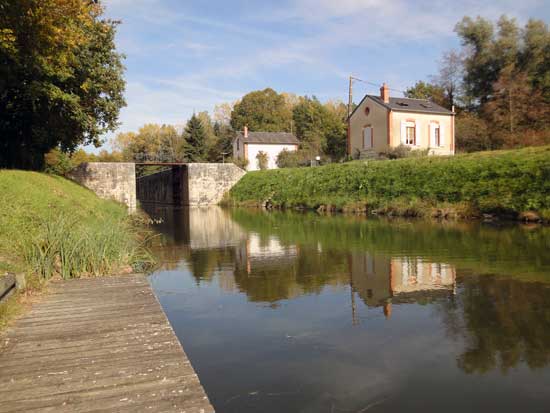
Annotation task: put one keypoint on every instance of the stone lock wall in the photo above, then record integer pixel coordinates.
(197, 184)
(208, 182)
(109, 180)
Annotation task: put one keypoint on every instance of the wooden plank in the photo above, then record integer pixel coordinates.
(97, 344)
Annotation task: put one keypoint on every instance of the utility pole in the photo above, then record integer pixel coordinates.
(350, 95)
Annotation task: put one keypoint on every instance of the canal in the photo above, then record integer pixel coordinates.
(290, 312)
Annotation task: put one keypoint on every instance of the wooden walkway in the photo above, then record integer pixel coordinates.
(97, 345)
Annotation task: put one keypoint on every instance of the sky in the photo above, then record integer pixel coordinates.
(185, 56)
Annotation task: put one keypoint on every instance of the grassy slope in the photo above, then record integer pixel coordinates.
(29, 199)
(501, 181)
(52, 226)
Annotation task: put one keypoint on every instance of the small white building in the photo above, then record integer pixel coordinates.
(247, 145)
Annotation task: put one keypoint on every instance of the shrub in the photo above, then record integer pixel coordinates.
(262, 159)
(293, 159)
(241, 163)
(402, 151)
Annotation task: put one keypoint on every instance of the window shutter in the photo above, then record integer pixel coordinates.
(441, 137)
(403, 132)
(417, 135)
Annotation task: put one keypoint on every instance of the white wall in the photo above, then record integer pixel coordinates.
(272, 150)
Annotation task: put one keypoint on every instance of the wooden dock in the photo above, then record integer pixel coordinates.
(97, 344)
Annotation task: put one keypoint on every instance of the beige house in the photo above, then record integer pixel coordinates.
(382, 122)
(247, 145)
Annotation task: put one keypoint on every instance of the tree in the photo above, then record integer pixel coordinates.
(430, 91)
(534, 58)
(222, 113)
(223, 146)
(208, 126)
(472, 133)
(262, 110)
(516, 108)
(449, 78)
(152, 143)
(195, 140)
(320, 128)
(480, 67)
(309, 117)
(336, 129)
(262, 159)
(61, 81)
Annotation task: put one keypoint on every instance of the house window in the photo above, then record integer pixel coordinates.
(410, 135)
(238, 145)
(436, 135)
(367, 138)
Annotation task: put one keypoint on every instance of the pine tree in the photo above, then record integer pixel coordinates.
(195, 138)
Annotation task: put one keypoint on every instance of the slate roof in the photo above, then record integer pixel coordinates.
(409, 105)
(281, 138)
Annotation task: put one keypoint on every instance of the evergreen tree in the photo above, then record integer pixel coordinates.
(195, 139)
(223, 146)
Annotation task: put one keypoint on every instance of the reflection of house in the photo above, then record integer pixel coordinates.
(381, 281)
(409, 275)
(247, 145)
(264, 252)
(369, 276)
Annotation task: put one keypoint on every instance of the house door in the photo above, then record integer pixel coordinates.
(367, 138)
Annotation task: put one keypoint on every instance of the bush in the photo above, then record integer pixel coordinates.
(293, 159)
(262, 159)
(402, 151)
(241, 163)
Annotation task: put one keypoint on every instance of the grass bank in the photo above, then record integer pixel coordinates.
(507, 183)
(50, 226)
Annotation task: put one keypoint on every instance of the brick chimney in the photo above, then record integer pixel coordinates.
(385, 93)
(245, 133)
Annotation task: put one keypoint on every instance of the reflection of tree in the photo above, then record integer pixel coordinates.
(504, 322)
(203, 262)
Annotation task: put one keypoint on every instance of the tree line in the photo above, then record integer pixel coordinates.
(499, 83)
(321, 129)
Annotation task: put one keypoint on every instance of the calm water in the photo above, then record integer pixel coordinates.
(288, 312)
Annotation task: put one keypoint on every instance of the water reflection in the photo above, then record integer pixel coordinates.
(349, 293)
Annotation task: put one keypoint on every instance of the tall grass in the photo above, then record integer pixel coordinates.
(66, 247)
(51, 226)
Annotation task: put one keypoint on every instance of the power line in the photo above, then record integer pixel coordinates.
(376, 84)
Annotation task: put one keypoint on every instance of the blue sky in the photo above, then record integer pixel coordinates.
(185, 56)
